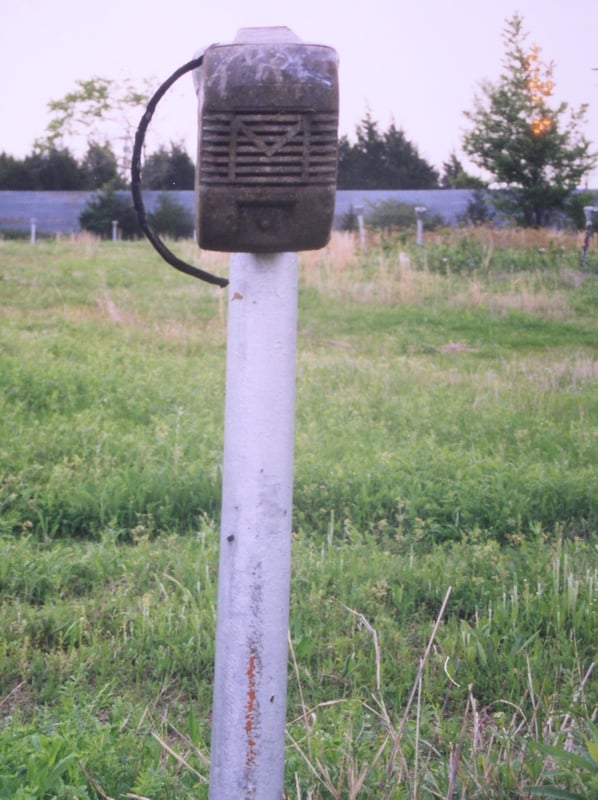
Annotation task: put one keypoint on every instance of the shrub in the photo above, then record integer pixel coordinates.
(574, 208)
(20, 234)
(479, 209)
(171, 219)
(395, 215)
(349, 221)
(106, 206)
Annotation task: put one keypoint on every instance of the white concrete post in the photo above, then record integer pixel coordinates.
(361, 226)
(114, 230)
(419, 213)
(591, 215)
(33, 230)
(249, 709)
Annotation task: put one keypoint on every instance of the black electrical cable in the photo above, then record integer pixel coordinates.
(155, 240)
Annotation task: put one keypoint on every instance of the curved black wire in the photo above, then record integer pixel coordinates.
(155, 240)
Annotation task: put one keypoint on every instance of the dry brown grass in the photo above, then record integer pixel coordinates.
(552, 374)
(521, 293)
(399, 275)
(341, 270)
(516, 238)
(394, 276)
(211, 261)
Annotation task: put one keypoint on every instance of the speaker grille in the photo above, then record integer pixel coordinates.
(278, 149)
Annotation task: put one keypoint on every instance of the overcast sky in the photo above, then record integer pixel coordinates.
(418, 63)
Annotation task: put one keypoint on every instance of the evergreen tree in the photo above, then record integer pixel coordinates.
(535, 152)
(104, 207)
(169, 169)
(404, 166)
(55, 169)
(454, 176)
(171, 219)
(382, 160)
(100, 167)
(14, 174)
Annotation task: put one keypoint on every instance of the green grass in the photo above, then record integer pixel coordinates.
(447, 431)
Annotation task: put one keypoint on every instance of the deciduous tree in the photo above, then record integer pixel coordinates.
(97, 110)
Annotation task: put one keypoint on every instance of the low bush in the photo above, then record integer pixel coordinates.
(395, 215)
(105, 207)
(171, 219)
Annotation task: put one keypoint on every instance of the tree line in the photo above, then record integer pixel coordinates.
(532, 153)
(377, 160)
(57, 169)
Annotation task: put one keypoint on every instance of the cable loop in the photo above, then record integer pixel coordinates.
(154, 239)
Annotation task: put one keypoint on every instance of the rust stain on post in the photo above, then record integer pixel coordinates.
(251, 719)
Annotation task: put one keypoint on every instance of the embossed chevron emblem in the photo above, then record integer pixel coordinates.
(278, 148)
(269, 141)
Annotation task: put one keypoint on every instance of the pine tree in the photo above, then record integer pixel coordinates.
(535, 152)
(385, 160)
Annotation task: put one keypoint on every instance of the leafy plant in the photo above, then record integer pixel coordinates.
(39, 767)
(572, 766)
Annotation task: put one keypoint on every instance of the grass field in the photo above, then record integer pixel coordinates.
(444, 620)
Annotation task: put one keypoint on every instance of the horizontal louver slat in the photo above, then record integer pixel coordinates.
(276, 149)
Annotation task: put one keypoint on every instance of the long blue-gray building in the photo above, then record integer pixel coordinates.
(58, 212)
